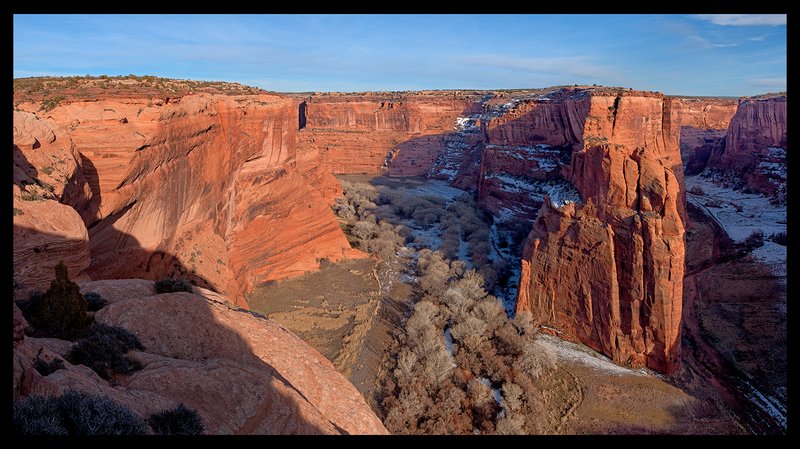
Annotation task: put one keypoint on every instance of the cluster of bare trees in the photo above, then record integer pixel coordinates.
(461, 353)
(463, 227)
(372, 234)
(462, 366)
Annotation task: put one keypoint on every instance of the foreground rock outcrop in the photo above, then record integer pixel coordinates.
(244, 374)
(606, 269)
(203, 186)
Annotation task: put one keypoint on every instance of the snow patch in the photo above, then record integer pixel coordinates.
(562, 194)
(740, 214)
(498, 397)
(573, 353)
(448, 340)
(769, 404)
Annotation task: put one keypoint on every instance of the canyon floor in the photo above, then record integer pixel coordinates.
(352, 311)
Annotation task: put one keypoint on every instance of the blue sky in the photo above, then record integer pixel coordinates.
(733, 55)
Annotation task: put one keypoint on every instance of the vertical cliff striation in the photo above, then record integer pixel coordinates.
(526, 142)
(703, 122)
(606, 268)
(201, 186)
(753, 152)
(396, 133)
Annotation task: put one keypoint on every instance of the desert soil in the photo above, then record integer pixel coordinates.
(348, 311)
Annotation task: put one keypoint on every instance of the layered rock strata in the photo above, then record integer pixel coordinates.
(753, 152)
(703, 122)
(398, 134)
(203, 186)
(606, 269)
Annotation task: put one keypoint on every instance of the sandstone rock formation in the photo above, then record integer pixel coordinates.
(754, 149)
(205, 187)
(47, 170)
(607, 269)
(400, 134)
(703, 122)
(244, 374)
(526, 142)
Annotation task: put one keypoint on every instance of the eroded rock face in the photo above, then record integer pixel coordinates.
(607, 269)
(754, 148)
(354, 133)
(47, 169)
(204, 187)
(244, 374)
(527, 141)
(703, 122)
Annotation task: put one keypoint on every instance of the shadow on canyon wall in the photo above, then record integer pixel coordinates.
(269, 405)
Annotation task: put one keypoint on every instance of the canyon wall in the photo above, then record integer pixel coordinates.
(205, 187)
(47, 171)
(753, 152)
(703, 122)
(526, 142)
(606, 268)
(393, 133)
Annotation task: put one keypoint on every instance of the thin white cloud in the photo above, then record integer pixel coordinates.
(560, 65)
(705, 43)
(759, 38)
(743, 19)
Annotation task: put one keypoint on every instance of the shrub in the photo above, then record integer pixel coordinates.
(61, 310)
(50, 103)
(779, 238)
(755, 240)
(31, 196)
(47, 368)
(105, 350)
(697, 190)
(47, 170)
(75, 413)
(168, 285)
(177, 421)
(536, 359)
(38, 415)
(94, 301)
(510, 424)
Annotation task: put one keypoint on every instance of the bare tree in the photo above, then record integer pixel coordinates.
(536, 359)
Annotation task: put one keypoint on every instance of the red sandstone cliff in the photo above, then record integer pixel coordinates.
(244, 374)
(703, 122)
(754, 149)
(608, 270)
(47, 170)
(204, 186)
(401, 134)
(526, 142)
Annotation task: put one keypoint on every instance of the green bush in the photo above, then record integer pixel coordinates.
(47, 368)
(104, 349)
(94, 301)
(75, 413)
(61, 311)
(168, 285)
(180, 420)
